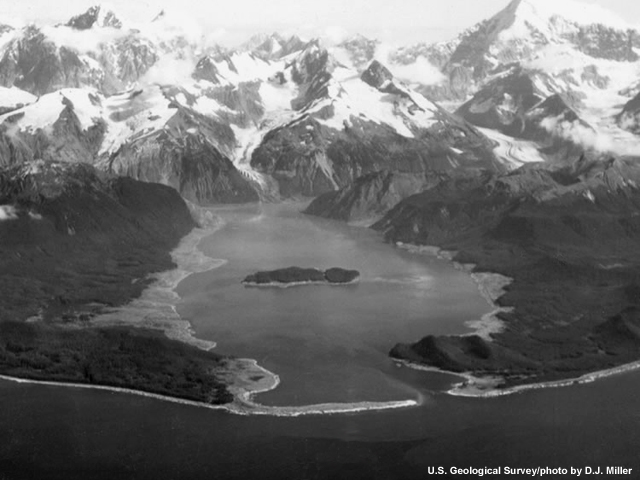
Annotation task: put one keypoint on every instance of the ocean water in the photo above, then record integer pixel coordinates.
(327, 344)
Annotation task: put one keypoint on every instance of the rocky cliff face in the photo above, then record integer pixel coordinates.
(308, 166)
(526, 32)
(516, 104)
(273, 46)
(331, 145)
(503, 103)
(360, 50)
(181, 156)
(34, 63)
(629, 118)
(66, 138)
(206, 70)
(371, 196)
(242, 122)
(285, 117)
(601, 41)
(144, 135)
(96, 16)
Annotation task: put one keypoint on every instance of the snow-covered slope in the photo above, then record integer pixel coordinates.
(573, 49)
(147, 134)
(235, 108)
(273, 46)
(284, 116)
(14, 98)
(539, 32)
(346, 124)
(96, 16)
(97, 49)
(525, 26)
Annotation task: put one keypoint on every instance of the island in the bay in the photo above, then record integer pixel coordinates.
(291, 276)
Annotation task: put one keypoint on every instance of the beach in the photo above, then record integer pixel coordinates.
(245, 378)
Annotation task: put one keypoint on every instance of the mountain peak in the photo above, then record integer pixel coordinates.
(573, 11)
(96, 16)
(4, 28)
(525, 27)
(162, 14)
(206, 70)
(273, 45)
(359, 38)
(377, 75)
(259, 38)
(313, 60)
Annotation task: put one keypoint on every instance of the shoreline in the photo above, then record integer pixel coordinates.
(490, 285)
(298, 284)
(486, 387)
(156, 309)
(242, 405)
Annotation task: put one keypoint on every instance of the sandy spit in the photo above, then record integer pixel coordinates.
(489, 387)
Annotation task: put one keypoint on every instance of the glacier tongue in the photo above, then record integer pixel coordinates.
(247, 141)
(162, 93)
(514, 152)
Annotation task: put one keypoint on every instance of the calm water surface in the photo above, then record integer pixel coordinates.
(328, 344)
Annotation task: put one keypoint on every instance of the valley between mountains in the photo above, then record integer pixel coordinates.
(521, 158)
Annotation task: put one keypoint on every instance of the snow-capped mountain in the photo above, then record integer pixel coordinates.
(525, 27)
(345, 125)
(282, 116)
(536, 33)
(96, 16)
(629, 118)
(14, 98)
(273, 46)
(575, 50)
(95, 49)
(357, 51)
(44, 59)
(521, 104)
(546, 81)
(241, 122)
(145, 134)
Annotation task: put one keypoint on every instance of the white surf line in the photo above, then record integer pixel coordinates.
(331, 408)
(463, 391)
(246, 405)
(491, 287)
(491, 290)
(128, 391)
(476, 387)
(243, 403)
(241, 406)
(188, 255)
(486, 387)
